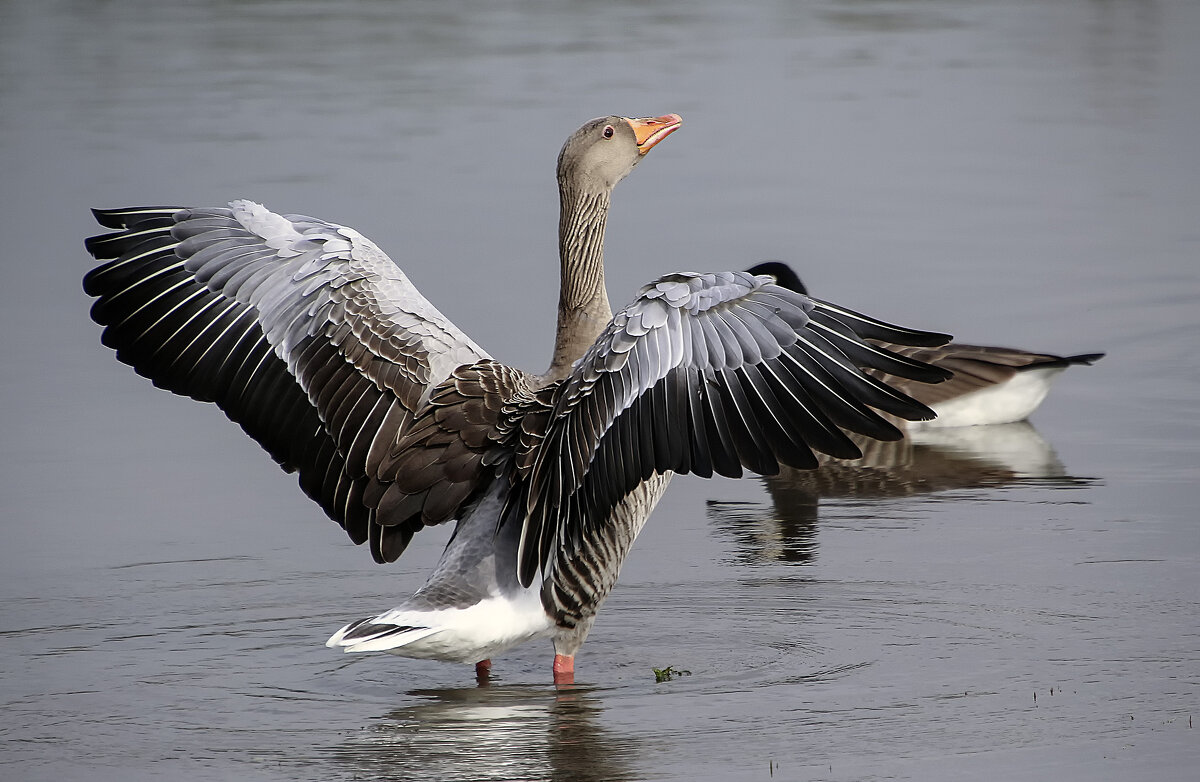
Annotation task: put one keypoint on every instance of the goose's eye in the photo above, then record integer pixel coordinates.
(609, 130)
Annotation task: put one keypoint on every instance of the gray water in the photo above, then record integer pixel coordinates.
(1018, 173)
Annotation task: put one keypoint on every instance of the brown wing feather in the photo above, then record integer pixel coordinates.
(464, 435)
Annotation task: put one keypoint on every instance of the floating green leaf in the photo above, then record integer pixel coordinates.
(668, 673)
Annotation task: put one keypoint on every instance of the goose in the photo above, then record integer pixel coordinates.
(991, 385)
(310, 338)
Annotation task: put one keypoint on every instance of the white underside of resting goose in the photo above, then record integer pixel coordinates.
(1008, 401)
(308, 336)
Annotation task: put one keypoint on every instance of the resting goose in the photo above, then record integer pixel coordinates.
(990, 385)
(312, 339)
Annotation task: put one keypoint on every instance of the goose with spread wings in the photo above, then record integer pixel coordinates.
(308, 336)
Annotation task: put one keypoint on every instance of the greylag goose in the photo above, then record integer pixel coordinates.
(308, 336)
(991, 385)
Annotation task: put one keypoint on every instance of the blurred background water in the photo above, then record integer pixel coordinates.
(1012, 171)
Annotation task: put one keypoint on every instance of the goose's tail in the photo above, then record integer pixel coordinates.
(1050, 362)
(373, 634)
(464, 634)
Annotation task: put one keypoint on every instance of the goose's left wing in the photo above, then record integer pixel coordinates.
(302, 331)
(709, 373)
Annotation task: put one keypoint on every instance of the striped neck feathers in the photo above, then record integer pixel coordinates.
(583, 308)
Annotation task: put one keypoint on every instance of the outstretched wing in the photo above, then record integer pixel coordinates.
(302, 331)
(709, 373)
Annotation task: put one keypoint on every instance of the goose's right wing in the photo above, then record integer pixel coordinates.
(708, 373)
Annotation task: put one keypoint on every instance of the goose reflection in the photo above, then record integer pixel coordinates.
(491, 733)
(924, 462)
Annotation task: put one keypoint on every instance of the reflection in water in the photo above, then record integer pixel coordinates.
(490, 733)
(924, 462)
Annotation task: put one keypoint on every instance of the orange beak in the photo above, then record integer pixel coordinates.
(651, 130)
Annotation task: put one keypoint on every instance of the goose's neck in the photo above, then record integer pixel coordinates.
(583, 310)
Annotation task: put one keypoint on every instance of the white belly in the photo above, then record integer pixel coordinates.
(1012, 400)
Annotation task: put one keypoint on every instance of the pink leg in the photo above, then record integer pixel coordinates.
(564, 669)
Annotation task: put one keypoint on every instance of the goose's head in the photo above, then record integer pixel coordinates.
(602, 152)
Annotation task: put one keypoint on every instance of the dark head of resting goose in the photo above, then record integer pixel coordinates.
(991, 385)
(307, 335)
